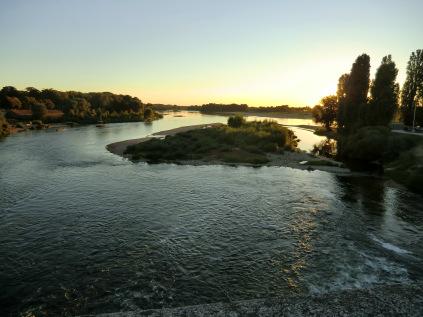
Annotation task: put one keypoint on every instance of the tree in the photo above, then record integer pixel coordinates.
(10, 91)
(12, 103)
(39, 111)
(413, 86)
(326, 112)
(33, 92)
(4, 126)
(356, 91)
(81, 111)
(384, 94)
(78, 106)
(8, 97)
(236, 121)
(341, 94)
(148, 114)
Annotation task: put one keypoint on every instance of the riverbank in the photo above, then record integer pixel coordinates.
(293, 159)
(392, 300)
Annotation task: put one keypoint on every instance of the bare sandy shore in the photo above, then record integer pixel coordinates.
(288, 159)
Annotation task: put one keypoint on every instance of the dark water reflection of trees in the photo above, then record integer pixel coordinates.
(368, 193)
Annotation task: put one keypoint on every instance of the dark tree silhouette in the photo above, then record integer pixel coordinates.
(341, 94)
(357, 89)
(325, 113)
(413, 86)
(39, 111)
(384, 94)
(4, 126)
(236, 121)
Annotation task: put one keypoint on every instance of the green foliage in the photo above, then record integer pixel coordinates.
(326, 148)
(374, 143)
(352, 93)
(4, 126)
(236, 121)
(248, 143)
(39, 111)
(384, 94)
(341, 94)
(230, 108)
(408, 169)
(326, 112)
(213, 107)
(412, 91)
(12, 103)
(77, 106)
(148, 114)
(80, 111)
(355, 109)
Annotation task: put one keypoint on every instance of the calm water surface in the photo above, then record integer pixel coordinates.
(84, 231)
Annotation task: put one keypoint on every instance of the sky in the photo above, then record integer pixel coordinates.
(259, 52)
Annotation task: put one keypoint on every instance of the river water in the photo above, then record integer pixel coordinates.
(85, 231)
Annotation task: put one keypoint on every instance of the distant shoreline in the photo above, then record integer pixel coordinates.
(288, 159)
(272, 114)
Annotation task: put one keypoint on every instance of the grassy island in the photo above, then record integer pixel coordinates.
(237, 142)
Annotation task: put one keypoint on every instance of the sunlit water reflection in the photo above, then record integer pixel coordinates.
(84, 231)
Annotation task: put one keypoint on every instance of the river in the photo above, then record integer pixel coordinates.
(84, 231)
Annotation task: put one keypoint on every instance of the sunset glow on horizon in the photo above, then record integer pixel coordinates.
(262, 53)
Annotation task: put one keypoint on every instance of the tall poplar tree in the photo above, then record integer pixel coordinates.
(384, 94)
(355, 89)
(413, 86)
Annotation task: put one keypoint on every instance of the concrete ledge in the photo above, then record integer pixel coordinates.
(394, 300)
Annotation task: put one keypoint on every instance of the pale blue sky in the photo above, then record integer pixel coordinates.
(261, 52)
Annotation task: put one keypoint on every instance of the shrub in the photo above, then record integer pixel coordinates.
(4, 126)
(39, 111)
(236, 121)
(374, 143)
(408, 169)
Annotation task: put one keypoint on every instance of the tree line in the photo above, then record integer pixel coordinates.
(76, 106)
(233, 107)
(214, 107)
(361, 102)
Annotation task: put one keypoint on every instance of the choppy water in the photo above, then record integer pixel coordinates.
(83, 231)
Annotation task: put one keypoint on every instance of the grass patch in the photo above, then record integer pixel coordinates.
(245, 142)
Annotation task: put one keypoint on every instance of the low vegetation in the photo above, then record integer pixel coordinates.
(4, 126)
(401, 155)
(237, 142)
(375, 143)
(407, 169)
